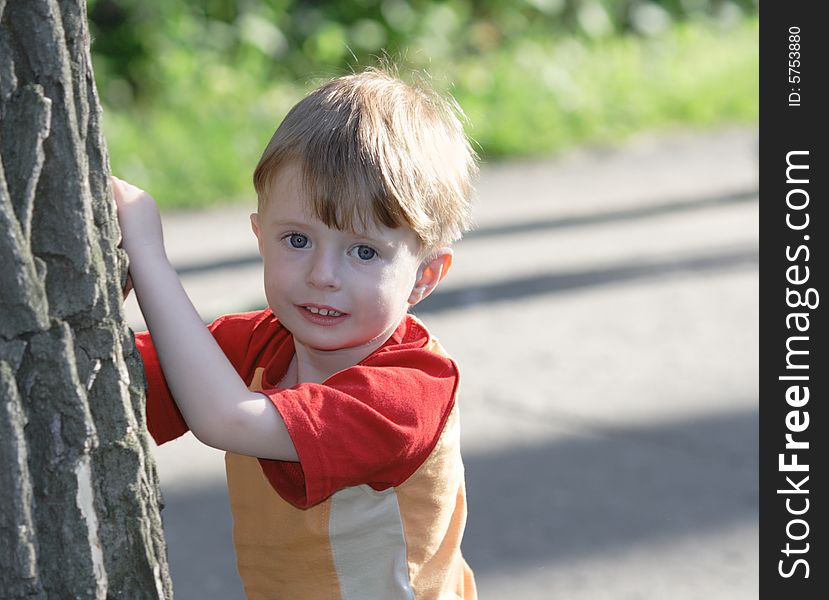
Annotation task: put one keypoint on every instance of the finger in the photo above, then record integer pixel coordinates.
(127, 287)
(117, 189)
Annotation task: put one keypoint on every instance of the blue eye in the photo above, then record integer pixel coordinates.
(297, 240)
(365, 252)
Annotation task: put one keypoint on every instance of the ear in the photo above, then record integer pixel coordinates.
(430, 274)
(254, 225)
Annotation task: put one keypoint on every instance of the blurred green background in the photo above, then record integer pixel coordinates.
(193, 89)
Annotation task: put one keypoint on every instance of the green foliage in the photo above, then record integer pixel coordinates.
(193, 89)
(539, 96)
(292, 38)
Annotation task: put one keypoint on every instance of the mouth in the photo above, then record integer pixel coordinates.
(325, 311)
(321, 315)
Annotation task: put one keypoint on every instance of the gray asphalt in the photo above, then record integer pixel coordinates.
(605, 317)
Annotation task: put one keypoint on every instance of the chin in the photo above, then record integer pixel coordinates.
(331, 345)
(320, 342)
(324, 346)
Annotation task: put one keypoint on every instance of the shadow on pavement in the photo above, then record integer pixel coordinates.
(533, 285)
(567, 500)
(540, 504)
(616, 216)
(199, 533)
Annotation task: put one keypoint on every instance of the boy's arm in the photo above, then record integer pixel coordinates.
(214, 400)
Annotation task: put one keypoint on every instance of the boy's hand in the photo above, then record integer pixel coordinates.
(139, 219)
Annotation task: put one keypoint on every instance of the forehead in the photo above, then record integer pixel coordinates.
(285, 194)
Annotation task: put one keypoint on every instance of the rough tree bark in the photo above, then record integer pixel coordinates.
(79, 496)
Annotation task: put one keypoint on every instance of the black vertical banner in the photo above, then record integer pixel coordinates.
(794, 558)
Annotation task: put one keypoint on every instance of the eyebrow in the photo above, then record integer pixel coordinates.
(290, 223)
(379, 243)
(372, 240)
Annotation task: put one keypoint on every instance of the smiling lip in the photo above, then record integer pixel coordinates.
(320, 319)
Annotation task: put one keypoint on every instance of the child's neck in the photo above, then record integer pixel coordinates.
(310, 365)
(315, 366)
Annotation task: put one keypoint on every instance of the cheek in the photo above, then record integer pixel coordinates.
(269, 272)
(278, 263)
(397, 286)
(276, 276)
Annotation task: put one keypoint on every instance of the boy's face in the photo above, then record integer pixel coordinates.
(333, 289)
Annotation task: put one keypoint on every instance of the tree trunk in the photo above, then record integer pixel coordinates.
(79, 496)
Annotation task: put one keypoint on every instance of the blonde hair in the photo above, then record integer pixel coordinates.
(370, 145)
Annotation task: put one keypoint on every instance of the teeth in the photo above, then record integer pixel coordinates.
(323, 311)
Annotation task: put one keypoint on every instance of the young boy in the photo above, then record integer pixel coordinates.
(337, 409)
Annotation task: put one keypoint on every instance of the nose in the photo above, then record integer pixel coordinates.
(324, 271)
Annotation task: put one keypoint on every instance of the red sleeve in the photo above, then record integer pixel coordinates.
(374, 423)
(164, 420)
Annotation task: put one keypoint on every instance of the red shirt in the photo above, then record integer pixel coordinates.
(374, 423)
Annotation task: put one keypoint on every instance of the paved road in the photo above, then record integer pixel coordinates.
(605, 317)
